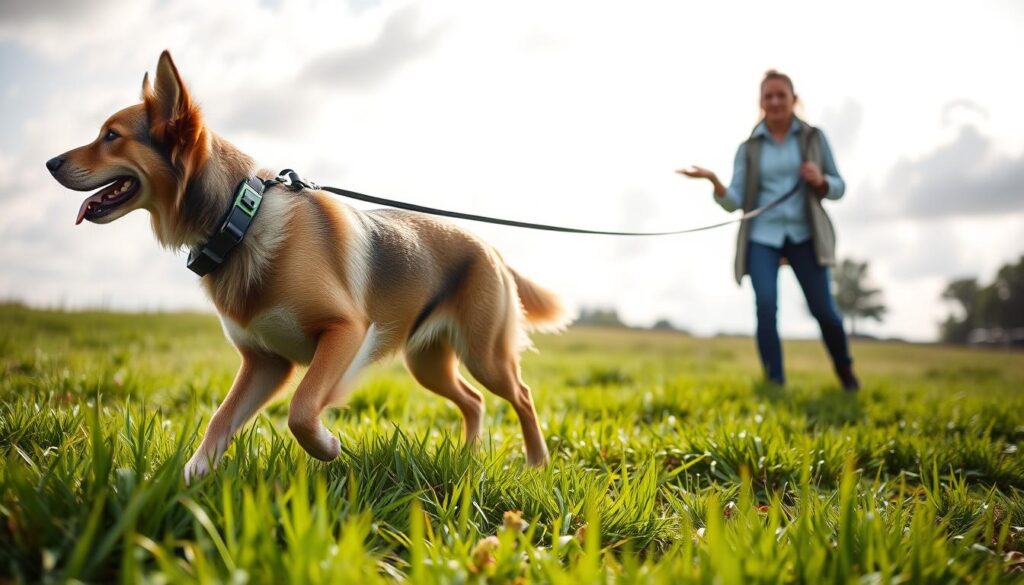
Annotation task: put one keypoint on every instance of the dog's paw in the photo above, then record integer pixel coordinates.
(315, 439)
(540, 458)
(327, 448)
(196, 468)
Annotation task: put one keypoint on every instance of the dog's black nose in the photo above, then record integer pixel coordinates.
(54, 163)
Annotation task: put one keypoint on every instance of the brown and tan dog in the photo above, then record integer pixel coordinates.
(314, 281)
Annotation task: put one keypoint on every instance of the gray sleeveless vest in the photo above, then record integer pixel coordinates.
(822, 232)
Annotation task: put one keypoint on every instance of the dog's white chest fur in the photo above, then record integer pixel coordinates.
(276, 331)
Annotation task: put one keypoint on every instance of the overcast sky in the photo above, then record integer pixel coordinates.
(572, 113)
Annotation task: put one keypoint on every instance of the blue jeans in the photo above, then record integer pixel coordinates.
(763, 265)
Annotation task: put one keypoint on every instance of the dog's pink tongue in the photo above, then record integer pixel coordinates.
(85, 207)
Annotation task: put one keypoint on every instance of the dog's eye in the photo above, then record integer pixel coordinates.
(111, 135)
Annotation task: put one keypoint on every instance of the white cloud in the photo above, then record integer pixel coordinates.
(963, 112)
(400, 42)
(843, 124)
(66, 28)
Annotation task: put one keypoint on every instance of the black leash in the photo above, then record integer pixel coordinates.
(249, 194)
(290, 179)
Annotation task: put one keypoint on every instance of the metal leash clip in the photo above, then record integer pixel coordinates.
(292, 180)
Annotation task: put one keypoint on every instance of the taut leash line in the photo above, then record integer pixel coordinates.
(293, 181)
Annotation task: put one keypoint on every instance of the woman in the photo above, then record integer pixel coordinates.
(786, 159)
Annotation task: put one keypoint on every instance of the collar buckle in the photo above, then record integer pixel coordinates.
(248, 199)
(234, 226)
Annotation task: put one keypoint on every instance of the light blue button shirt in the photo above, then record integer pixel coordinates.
(780, 170)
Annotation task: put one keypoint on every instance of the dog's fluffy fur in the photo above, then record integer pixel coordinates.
(315, 281)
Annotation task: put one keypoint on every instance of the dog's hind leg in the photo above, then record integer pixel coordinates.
(336, 361)
(497, 368)
(259, 378)
(437, 369)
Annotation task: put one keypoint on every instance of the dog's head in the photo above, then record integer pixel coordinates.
(144, 155)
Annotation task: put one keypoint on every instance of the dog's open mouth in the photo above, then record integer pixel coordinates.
(108, 199)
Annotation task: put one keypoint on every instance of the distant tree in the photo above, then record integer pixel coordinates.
(853, 296)
(997, 308)
(664, 325)
(963, 293)
(1001, 304)
(600, 316)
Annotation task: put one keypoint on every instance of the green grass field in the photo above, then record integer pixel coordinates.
(670, 464)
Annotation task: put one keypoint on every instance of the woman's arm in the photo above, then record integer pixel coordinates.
(825, 181)
(728, 197)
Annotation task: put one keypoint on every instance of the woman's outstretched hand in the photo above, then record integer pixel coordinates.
(695, 172)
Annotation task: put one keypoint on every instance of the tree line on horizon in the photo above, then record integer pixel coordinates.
(855, 297)
(991, 314)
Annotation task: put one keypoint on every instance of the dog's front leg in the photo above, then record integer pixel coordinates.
(335, 353)
(258, 379)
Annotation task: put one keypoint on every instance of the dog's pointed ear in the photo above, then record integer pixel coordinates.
(170, 98)
(174, 119)
(147, 88)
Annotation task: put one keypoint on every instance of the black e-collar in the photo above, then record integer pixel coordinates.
(236, 223)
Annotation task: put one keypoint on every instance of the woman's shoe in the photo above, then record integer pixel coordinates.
(847, 378)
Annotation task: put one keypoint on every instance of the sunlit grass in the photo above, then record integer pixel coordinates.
(669, 464)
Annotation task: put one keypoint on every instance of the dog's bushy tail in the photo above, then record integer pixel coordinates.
(543, 310)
